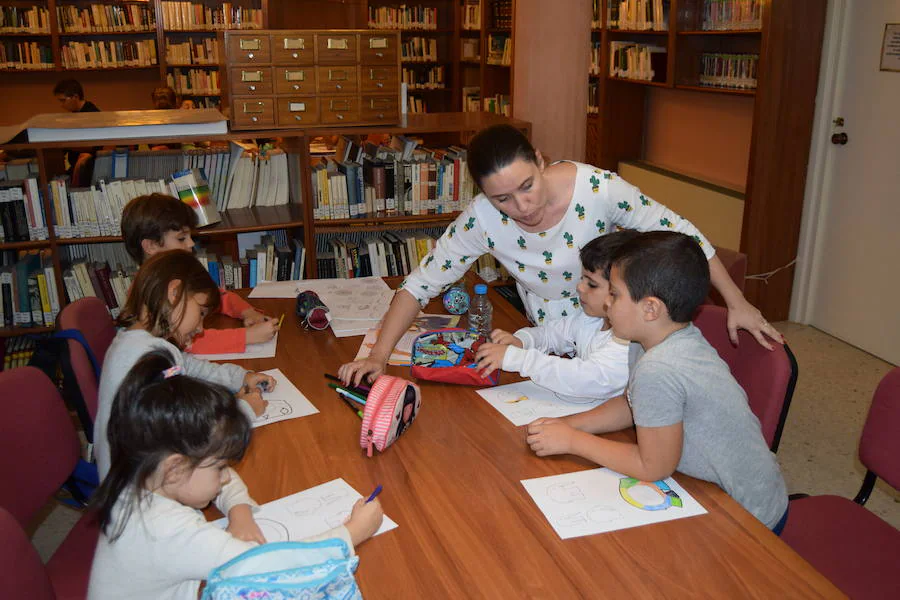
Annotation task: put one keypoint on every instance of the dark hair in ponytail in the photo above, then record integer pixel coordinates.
(495, 147)
(153, 417)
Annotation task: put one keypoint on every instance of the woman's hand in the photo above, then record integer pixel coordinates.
(370, 368)
(746, 316)
(243, 526)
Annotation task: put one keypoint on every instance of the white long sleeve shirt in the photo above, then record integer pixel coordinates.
(167, 548)
(598, 369)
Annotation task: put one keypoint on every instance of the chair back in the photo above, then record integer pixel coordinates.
(879, 446)
(38, 443)
(91, 317)
(22, 575)
(768, 377)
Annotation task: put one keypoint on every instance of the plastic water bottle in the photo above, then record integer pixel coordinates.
(480, 312)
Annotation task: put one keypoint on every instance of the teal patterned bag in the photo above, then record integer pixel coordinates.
(287, 571)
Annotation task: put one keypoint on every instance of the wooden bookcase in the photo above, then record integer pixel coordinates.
(297, 218)
(788, 44)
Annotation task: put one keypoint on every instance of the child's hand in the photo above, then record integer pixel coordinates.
(259, 380)
(498, 336)
(364, 521)
(251, 317)
(366, 369)
(489, 358)
(243, 526)
(253, 397)
(262, 331)
(550, 436)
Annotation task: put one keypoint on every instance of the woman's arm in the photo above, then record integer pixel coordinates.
(741, 314)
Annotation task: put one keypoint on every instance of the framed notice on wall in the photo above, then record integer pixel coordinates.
(890, 48)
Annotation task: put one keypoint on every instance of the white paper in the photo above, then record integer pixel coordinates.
(285, 401)
(261, 350)
(590, 502)
(525, 401)
(308, 513)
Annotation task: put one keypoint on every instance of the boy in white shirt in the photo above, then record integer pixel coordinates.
(598, 368)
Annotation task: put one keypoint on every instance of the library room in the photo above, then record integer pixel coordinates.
(222, 224)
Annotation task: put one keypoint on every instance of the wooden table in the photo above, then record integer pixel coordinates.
(468, 529)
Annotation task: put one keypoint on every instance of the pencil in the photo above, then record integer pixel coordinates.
(280, 321)
(351, 405)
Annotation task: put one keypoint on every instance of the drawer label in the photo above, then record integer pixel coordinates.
(337, 75)
(294, 44)
(295, 75)
(253, 107)
(339, 105)
(250, 44)
(337, 44)
(378, 74)
(251, 75)
(297, 107)
(378, 43)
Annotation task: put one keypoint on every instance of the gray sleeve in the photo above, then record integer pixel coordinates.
(657, 395)
(231, 376)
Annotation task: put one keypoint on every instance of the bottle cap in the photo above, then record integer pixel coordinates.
(480, 288)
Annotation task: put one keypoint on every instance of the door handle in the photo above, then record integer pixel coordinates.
(839, 139)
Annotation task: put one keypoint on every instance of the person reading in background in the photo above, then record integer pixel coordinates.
(70, 96)
(688, 412)
(164, 98)
(533, 219)
(156, 223)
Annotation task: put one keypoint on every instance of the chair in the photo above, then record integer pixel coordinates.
(38, 450)
(22, 575)
(856, 550)
(91, 317)
(768, 377)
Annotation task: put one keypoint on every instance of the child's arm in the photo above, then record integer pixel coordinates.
(220, 341)
(557, 336)
(235, 502)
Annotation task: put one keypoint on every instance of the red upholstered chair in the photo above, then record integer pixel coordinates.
(855, 549)
(767, 377)
(91, 318)
(38, 450)
(22, 575)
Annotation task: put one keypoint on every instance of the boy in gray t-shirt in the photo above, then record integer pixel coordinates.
(689, 412)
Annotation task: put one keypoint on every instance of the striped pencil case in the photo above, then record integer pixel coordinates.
(391, 406)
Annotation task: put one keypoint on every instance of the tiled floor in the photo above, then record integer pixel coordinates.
(818, 451)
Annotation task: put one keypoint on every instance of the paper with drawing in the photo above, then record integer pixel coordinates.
(525, 401)
(601, 500)
(260, 350)
(308, 513)
(285, 401)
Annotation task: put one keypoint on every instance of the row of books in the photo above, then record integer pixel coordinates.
(595, 14)
(595, 59)
(403, 17)
(109, 53)
(16, 352)
(471, 98)
(416, 105)
(498, 104)
(17, 19)
(732, 14)
(26, 56)
(593, 98)
(471, 15)
(631, 60)
(85, 279)
(18, 168)
(641, 15)
(188, 82)
(419, 48)
(100, 18)
(502, 14)
(193, 52)
(729, 70)
(272, 259)
(28, 293)
(424, 79)
(257, 178)
(499, 49)
(387, 254)
(470, 49)
(22, 216)
(181, 16)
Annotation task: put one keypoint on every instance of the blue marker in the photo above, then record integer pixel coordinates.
(373, 494)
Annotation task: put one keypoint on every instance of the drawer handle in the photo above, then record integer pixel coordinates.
(295, 55)
(340, 117)
(379, 54)
(253, 108)
(337, 44)
(338, 87)
(339, 105)
(251, 75)
(378, 43)
(250, 55)
(254, 119)
(295, 86)
(295, 75)
(252, 88)
(378, 74)
(380, 115)
(380, 103)
(249, 44)
(337, 75)
(294, 44)
(297, 107)
(298, 118)
(379, 85)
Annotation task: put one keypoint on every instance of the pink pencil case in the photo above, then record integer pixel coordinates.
(391, 406)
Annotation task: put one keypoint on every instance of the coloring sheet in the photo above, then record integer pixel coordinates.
(261, 350)
(402, 352)
(601, 500)
(525, 401)
(308, 513)
(285, 401)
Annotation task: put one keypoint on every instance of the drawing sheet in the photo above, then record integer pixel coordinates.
(285, 401)
(308, 513)
(402, 354)
(525, 401)
(261, 350)
(601, 500)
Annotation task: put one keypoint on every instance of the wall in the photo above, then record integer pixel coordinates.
(552, 57)
(699, 134)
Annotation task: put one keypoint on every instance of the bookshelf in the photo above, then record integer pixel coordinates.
(762, 59)
(296, 217)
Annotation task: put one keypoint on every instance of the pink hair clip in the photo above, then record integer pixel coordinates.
(173, 371)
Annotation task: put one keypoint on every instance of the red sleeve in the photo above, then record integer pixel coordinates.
(233, 305)
(220, 341)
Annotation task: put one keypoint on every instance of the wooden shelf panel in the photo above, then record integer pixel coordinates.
(639, 32)
(723, 32)
(714, 90)
(104, 33)
(6, 332)
(638, 81)
(382, 223)
(24, 245)
(191, 66)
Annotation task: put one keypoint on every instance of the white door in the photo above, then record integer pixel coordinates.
(848, 276)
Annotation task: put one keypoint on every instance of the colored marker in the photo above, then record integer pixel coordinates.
(352, 407)
(281, 320)
(374, 493)
(361, 398)
(349, 396)
(360, 387)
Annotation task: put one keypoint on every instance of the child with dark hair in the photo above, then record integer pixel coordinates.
(688, 411)
(158, 222)
(169, 298)
(172, 439)
(599, 367)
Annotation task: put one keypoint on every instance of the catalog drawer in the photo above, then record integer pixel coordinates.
(378, 48)
(339, 109)
(336, 49)
(297, 112)
(293, 48)
(249, 49)
(253, 112)
(251, 81)
(295, 80)
(380, 108)
(378, 79)
(338, 80)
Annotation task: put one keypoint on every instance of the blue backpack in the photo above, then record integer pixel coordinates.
(287, 571)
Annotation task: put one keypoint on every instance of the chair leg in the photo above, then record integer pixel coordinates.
(868, 485)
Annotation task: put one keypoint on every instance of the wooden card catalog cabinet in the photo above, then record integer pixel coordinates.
(288, 79)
